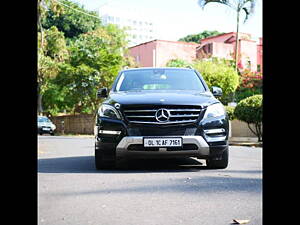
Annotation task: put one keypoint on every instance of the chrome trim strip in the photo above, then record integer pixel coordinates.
(171, 110)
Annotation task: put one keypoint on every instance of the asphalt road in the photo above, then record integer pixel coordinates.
(169, 192)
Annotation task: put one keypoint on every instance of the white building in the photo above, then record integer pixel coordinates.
(139, 28)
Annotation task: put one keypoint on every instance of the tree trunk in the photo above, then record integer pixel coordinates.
(237, 40)
(39, 105)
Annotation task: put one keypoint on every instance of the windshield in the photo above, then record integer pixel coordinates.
(43, 119)
(159, 79)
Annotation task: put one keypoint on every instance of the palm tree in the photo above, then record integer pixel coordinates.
(238, 5)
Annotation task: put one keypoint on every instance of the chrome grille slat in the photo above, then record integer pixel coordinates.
(185, 115)
(141, 116)
(146, 114)
(144, 110)
(169, 122)
(184, 110)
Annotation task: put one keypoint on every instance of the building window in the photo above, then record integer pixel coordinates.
(209, 48)
(137, 58)
(258, 68)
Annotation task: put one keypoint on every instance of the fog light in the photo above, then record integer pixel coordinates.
(113, 132)
(214, 131)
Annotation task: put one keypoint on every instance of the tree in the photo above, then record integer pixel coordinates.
(218, 73)
(45, 64)
(239, 6)
(197, 37)
(95, 59)
(53, 52)
(74, 20)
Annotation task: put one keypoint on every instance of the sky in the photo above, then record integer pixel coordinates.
(175, 19)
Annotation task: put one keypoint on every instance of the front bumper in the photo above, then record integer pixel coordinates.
(124, 148)
(204, 140)
(47, 130)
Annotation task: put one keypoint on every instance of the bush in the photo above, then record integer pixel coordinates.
(219, 73)
(249, 110)
(177, 63)
(230, 112)
(243, 93)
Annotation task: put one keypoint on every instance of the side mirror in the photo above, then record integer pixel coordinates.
(102, 93)
(216, 91)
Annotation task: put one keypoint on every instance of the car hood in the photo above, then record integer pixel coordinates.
(162, 98)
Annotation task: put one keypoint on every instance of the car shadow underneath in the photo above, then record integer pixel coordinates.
(85, 164)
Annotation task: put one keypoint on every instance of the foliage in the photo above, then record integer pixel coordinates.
(54, 51)
(249, 110)
(197, 37)
(72, 22)
(230, 112)
(243, 93)
(95, 59)
(76, 56)
(177, 63)
(251, 79)
(47, 54)
(44, 6)
(218, 73)
(250, 84)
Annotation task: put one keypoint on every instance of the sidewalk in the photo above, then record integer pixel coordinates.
(245, 141)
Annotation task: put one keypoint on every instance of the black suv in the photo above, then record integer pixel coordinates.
(160, 113)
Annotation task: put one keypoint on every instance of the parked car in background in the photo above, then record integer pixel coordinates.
(45, 126)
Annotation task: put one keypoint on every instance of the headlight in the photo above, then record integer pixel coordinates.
(214, 110)
(108, 111)
(53, 127)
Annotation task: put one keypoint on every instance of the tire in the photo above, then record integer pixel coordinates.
(122, 163)
(102, 161)
(218, 164)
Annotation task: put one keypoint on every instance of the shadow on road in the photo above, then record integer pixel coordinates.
(85, 164)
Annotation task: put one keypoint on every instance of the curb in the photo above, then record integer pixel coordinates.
(248, 144)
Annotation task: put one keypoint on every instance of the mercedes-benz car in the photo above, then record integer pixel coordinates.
(45, 126)
(160, 113)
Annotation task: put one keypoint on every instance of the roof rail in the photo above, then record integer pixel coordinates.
(189, 66)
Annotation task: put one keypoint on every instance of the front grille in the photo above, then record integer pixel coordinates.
(175, 114)
(187, 130)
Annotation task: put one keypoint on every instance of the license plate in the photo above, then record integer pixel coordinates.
(45, 128)
(163, 142)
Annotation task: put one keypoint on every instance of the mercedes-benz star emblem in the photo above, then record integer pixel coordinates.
(162, 115)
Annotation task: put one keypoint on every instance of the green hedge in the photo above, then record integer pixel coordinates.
(230, 112)
(249, 110)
